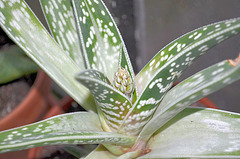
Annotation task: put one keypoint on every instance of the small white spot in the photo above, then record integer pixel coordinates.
(172, 46)
(110, 24)
(157, 64)
(103, 13)
(162, 53)
(24, 128)
(26, 135)
(152, 62)
(114, 40)
(198, 36)
(191, 36)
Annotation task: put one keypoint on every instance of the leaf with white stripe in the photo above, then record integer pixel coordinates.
(59, 15)
(190, 91)
(198, 133)
(161, 72)
(100, 38)
(21, 25)
(72, 128)
(113, 103)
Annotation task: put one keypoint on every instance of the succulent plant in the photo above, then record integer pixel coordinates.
(129, 116)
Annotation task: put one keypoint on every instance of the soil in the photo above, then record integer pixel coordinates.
(11, 95)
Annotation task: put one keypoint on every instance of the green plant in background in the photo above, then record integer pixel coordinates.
(129, 116)
(14, 64)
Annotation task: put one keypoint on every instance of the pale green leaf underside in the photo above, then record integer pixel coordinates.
(73, 128)
(112, 102)
(23, 27)
(159, 74)
(79, 151)
(59, 15)
(198, 133)
(101, 41)
(15, 64)
(189, 91)
(101, 153)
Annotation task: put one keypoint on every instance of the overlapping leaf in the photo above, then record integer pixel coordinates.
(73, 128)
(159, 74)
(101, 41)
(198, 133)
(23, 27)
(59, 15)
(189, 91)
(114, 104)
(101, 151)
(15, 64)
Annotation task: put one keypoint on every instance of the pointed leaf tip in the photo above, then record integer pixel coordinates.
(101, 41)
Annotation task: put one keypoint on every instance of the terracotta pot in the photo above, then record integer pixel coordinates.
(208, 103)
(32, 107)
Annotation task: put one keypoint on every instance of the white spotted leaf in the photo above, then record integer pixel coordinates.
(72, 128)
(59, 15)
(113, 104)
(179, 54)
(190, 91)
(197, 133)
(21, 25)
(157, 77)
(101, 41)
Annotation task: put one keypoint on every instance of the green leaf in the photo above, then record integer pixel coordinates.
(101, 41)
(113, 103)
(190, 91)
(79, 150)
(157, 77)
(72, 128)
(198, 133)
(18, 21)
(14, 64)
(101, 153)
(59, 15)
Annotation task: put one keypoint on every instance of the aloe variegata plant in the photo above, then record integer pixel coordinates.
(129, 116)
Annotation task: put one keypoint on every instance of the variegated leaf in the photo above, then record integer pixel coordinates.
(72, 128)
(59, 15)
(189, 91)
(18, 21)
(197, 133)
(100, 38)
(113, 103)
(160, 73)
